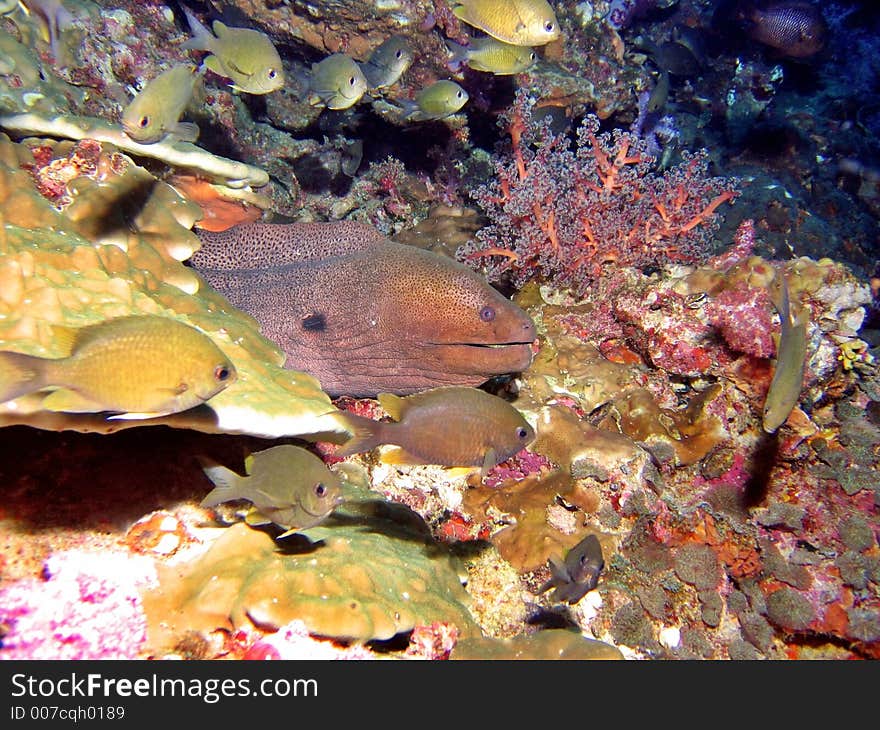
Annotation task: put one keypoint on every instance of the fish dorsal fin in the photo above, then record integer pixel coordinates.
(394, 405)
(64, 337)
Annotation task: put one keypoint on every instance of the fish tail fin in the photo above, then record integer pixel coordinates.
(459, 55)
(20, 374)
(202, 38)
(366, 434)
(228, 485)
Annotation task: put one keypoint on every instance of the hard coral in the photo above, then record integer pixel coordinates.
(367, 573)
(115, 248)
(561, 215)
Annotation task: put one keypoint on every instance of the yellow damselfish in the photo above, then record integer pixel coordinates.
(337, 82)
(493, 56)
(245, 56)
(437, 101)
(155, 112)
(140, 366)
(520, 22)
(286, 484)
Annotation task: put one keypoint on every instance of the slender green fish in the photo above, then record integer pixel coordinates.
(493, 56)
(791, 358)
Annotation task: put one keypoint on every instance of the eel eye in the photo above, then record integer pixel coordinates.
(320, 489)
(487, 313)
(521, 433)
(221, 373)
(144, 122)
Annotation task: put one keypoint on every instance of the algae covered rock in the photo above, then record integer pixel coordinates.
(86, 235)
(369, 572)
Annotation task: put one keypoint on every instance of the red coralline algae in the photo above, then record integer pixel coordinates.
(742, 315)
(561, 215)
(89, 607)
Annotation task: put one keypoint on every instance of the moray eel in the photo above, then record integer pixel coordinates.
(364, 314)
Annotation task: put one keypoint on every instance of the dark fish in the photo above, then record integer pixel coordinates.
(363, 314)
(449, 426)
(659, 94)
(676, 58)
(578, 574)
(795, 29)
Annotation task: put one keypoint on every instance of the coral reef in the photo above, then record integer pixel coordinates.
(89, 235)
(561, 216)
(367, 573)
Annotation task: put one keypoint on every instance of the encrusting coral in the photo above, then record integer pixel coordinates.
(369, 572)
(87, 235)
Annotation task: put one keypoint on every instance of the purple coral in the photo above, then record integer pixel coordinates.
(560, 214)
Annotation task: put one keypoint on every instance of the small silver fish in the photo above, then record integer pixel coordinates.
(337, 82)
(791, 357)
(155, 112)
(287, 485)
(387, 63)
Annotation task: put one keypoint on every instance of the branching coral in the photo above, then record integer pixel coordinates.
(560, 214)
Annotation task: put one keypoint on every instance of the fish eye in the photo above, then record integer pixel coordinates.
(458, 94)
(533, 56)
(272, 73)
(320, 489)
(351, 81)
(521, 433)
(549, 26)
(487, 313)
(222, 373)
(143, 121)
(399, 54)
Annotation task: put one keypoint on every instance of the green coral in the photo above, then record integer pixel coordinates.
(369, 572)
